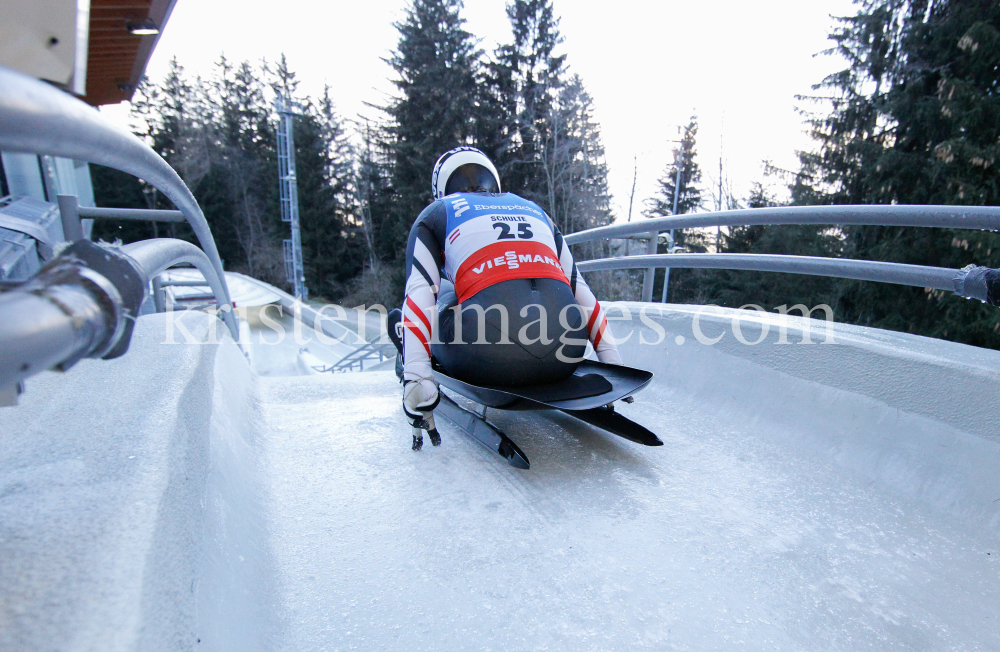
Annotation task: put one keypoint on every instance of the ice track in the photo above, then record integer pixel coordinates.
(826, 497)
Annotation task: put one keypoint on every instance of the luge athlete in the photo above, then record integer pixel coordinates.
(486, 267)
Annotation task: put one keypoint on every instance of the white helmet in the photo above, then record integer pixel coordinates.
(463, 168)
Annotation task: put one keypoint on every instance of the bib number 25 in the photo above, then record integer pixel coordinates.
(523, 231)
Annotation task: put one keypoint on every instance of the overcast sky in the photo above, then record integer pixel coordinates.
(649, 66)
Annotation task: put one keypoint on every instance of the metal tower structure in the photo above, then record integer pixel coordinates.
(290, 196)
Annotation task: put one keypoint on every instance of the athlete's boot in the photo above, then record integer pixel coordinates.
(431, 429)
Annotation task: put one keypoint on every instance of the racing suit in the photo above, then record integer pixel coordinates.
(496, 250)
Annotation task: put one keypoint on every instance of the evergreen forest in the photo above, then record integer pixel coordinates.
(913, 117)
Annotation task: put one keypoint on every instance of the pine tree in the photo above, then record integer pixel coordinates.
(571, 160)
(220, 135)
(855, 129)
(689, 198)
(243, 157)
(374, 190)
(689, 195)
(535, 77)
(496, 118)
(163, 115)
(914, 120)
(167, 113)
(324, 161)
(379, 282)
(436, 64)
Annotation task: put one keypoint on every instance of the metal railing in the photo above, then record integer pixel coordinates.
(369, 351)
(157, 255)
(939, 278)
(953, 217)
(308, 315)
(83, 302)
(71, 212)
(957, 217)
(37, 118)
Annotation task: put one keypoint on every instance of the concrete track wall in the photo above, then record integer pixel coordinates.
(917, 415)
(130, 506)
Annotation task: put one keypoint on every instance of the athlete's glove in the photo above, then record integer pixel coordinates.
(419, 400)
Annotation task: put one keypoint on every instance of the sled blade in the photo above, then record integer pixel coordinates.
(482, 431)
(607, 419)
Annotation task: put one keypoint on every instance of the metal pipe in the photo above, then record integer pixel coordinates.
(66, 313)
(41, 119)
(155, 256)
(193, 284)
(939, 278)
(71, 310)
(146, 214)
(38, 334)
(954, 217)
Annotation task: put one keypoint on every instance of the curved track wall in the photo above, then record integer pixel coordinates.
(916, 415)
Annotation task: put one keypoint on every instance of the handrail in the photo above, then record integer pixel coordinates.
(158, 254)
(304, 311)
(144, 214)
(955, 217)
(358, 356)
(190, 284)
(939, 278)
(40, 119)
(84, 303)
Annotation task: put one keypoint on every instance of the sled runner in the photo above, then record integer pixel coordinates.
(586, 395)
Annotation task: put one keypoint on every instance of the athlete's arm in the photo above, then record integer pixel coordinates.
(424, 260)
(607, 351)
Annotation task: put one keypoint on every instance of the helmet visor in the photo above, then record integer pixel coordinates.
(471, 178)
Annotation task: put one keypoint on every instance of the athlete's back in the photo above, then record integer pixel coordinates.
(520, 314)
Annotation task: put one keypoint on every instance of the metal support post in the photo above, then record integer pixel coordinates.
(670, 245)
(647, 279)
(69, 211)
(49, 176)
(159, 299)
(666, 279)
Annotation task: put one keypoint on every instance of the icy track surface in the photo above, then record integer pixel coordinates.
(718, 540)
(806, 498)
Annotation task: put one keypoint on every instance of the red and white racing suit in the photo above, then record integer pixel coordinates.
(478, 240)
